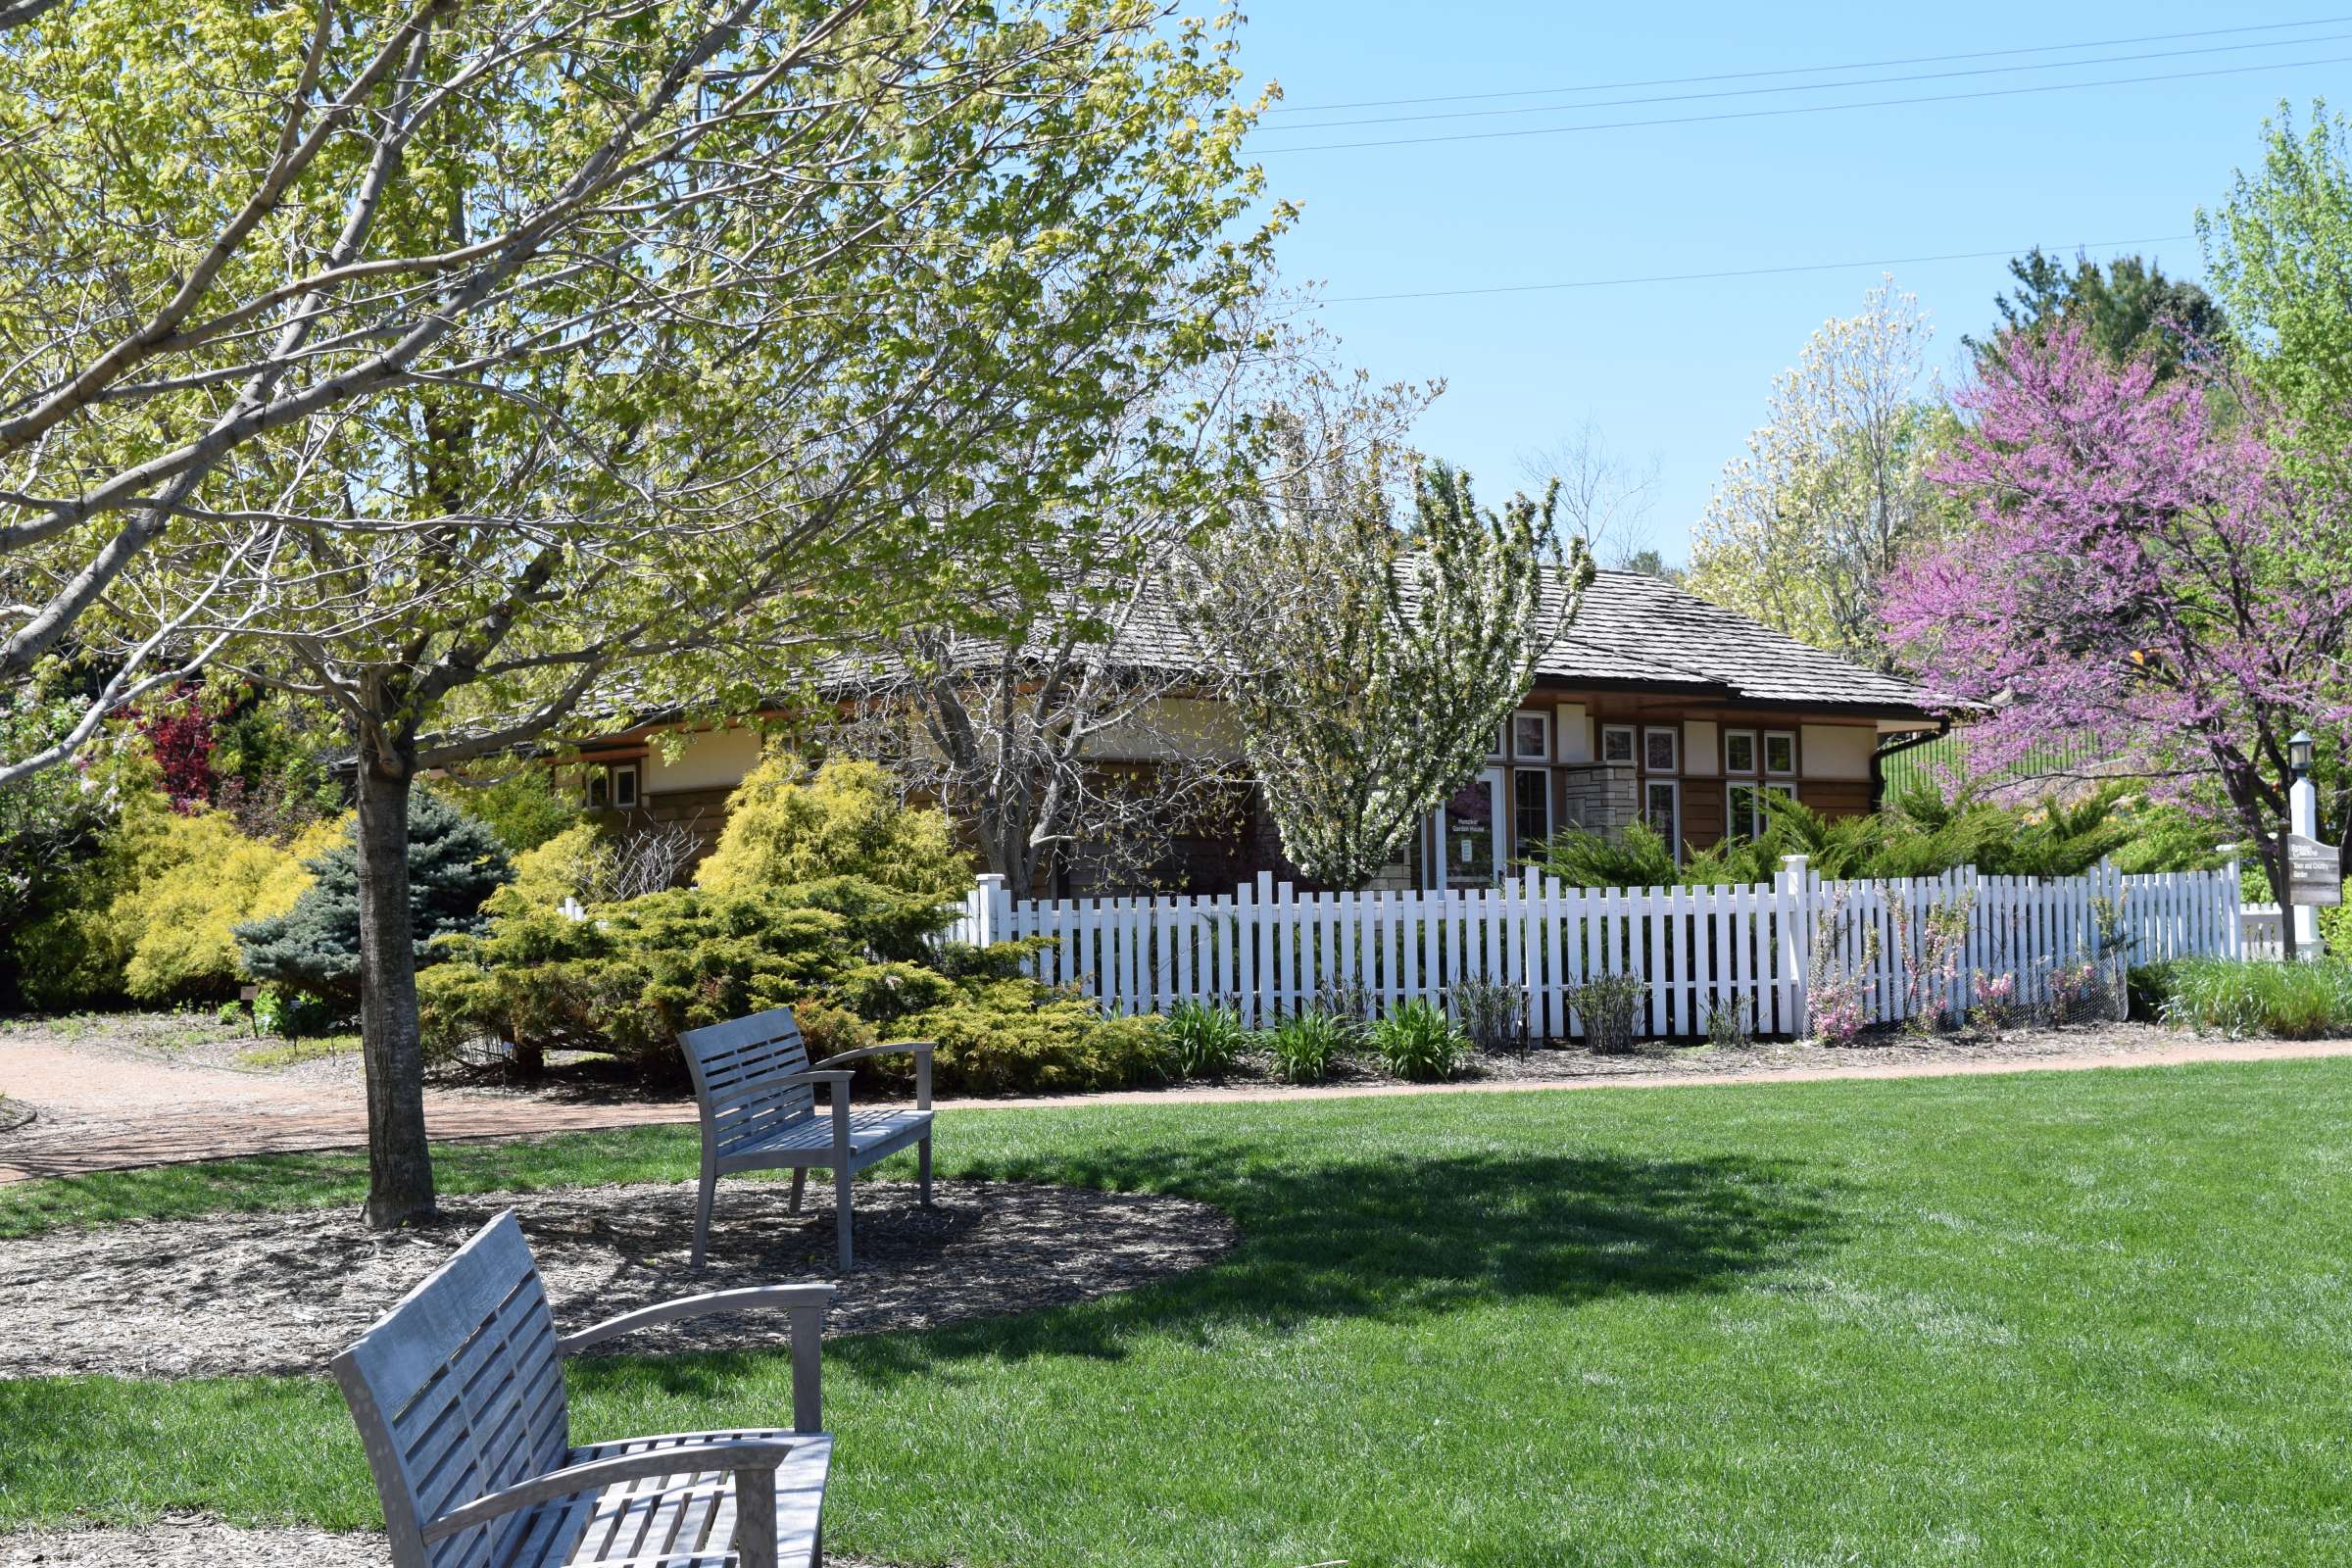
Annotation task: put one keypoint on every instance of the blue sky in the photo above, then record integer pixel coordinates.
(1679, 371)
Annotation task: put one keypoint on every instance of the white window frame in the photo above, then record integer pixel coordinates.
(614, 775)
(1633, 743)
(1674, 743)
(1755, 756)
(1542, 754)
(1788, 735)
(1777, 788)
(1674, 839)
(1495, 749)
(1511, 790)
(1755, 812)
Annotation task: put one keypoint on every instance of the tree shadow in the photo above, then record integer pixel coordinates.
(1381, 1237)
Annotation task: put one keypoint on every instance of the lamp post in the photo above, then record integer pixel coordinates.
(2303, 821)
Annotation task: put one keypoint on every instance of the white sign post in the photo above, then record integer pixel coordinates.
(2308, 863)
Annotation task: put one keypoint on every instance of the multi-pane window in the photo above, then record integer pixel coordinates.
(1531, 737)
(612, 785)
(1780, 751)
(1531, 804)
(1617, 742)
(1746, 812)
(1738, 751)
(1661, 750)
(1661, 802)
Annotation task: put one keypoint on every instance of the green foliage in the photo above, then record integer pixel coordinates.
(1203, 1039)
(2278, 253)
(2241, 997)
(1418, 1042)
(1635, 855)
(786, 825)
(454, 864)
(1366, 700)
(1605, 1006)
(850, 957)
(151, 914)
(1015, 1036)
(2147, 988)
(2127, 307)
(1305, 1046)
(2336, 927)
(523, 807)
(1917, 834)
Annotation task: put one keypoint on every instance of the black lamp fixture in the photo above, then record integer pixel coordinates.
(2298, 753)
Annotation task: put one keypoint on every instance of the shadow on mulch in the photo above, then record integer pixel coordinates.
(280, 1293)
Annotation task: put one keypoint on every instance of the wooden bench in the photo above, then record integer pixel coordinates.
(757, 1092)
(459, 1396)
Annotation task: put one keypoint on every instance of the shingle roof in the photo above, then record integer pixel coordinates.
(1638, 629)
(1634, 630)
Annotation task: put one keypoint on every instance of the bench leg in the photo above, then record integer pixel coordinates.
(800, 1185)
(922, 1166)
(841, 1208)
(702, 1214)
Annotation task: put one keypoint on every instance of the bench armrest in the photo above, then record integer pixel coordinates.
(752, 1462)
(806, 1302)
(750, 1298)
(922, 1049)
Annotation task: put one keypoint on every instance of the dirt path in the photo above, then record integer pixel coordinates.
(106, 1101)
(111, 1104)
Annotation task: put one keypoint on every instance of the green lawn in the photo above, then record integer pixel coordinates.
(2055, 1318)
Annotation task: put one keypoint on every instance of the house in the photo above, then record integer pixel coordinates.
(1655, 705)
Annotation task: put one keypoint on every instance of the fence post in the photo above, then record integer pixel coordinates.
(1796, 937)
(990, 908)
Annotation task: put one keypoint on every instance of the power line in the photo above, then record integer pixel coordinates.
(1808, 109)
(1749, 272)
(1805, 70)
(1815, 86)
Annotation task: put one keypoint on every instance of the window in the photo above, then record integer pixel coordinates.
(1661, 750)
(1495, 751)
(1785, 791)
(1745, 814)
(1531, 804)
(1531, 737)
(1661, 809)
(1738, 751)
(1780, 752)
(1616, 743)
(612, 785)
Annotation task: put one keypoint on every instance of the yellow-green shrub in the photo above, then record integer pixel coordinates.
(150, 918)
(786, 826)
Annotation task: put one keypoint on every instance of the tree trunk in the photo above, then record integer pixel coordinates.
(400, 1167)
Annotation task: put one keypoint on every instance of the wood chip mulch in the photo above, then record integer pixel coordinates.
(197, 1541)
(280, 1293)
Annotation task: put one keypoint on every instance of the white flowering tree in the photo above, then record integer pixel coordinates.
(1833, 489)
(1371, 655)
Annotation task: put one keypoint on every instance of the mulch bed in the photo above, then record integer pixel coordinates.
(1571, 1062)
(280, 1293)
(194, 1541)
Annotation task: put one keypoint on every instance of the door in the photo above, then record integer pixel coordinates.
(1469, 848)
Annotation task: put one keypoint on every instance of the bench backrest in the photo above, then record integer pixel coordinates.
(457, 1391)
(736, 1065)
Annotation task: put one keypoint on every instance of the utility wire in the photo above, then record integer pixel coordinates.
(1806, 109)
(1805, 70)
(1748, 271)
(1817, 87)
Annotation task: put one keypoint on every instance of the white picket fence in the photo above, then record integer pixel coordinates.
(1269, 951)
(2265, 932)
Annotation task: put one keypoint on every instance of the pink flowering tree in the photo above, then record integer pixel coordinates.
(2143, 571)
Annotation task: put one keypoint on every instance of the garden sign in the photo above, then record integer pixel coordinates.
(2315, 871)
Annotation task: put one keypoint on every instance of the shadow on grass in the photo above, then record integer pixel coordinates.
(1411, 1235)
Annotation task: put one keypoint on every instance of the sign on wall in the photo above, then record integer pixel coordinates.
(2315, 871)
